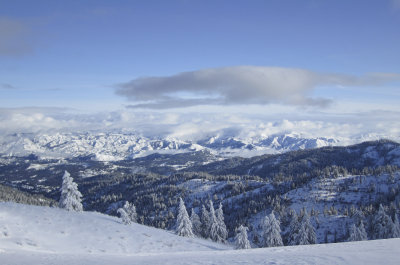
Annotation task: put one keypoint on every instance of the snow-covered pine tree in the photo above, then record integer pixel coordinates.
(356, 234)
(70, 196)
(382, 225)
(183, 224)
(215, 231)
(294, 228)
(363, 233)
(222, 232)
(358, 218)
(128, 213)
(302, 237)
(396, 227)
(205, 222)
(241, 239)
(271, 235)
(196, 223)
(302, 232)
(124, 216)
(213, 223)
(312, 237)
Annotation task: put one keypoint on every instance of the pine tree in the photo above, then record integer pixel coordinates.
(356, 234)
(301, 230)
(294, 228)
(302, 237)
(128, 213)
(205, 222)
(396, 226)
(183, 224)
(358, 217)
(196, 224)
(70, 196)
(271, 231)
(222, 232)
(241, 240)
(382, 225)
(124, 216)
(311, 236)
(218, 231)
(213, 224)
(363, 233)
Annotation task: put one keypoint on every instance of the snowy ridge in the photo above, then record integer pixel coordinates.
(119, 146)
(41, 235)
(53, 230)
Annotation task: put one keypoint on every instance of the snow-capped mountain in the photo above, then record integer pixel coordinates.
(120, 146)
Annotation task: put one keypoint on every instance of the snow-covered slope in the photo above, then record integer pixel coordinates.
(53, 230)
(40, 235)
(118, 146)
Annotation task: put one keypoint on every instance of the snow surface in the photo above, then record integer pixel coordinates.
(43, 235)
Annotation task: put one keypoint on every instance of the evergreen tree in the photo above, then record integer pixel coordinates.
(396, 230)
(196, 224)
(360, 234)
(301, 230)
(218, 231)
(271, 231)
(183, 224)
(363, 233)
(70, 196)
(356, 234)
(124, 216)
(294, 228)
(358, 217)
(311, 236)
(222, 232)
(205, 222)
(128, 213)
(213, 223)
(241, 240)
(383, 226)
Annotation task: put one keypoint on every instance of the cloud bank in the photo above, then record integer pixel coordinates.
(240, 85)
(348, 128)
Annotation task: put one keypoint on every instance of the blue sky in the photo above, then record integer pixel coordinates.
(79, 53)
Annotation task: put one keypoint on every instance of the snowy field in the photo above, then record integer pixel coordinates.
(42, 235)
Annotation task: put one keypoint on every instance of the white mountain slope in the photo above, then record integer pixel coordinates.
(41, 235)
(119, 146)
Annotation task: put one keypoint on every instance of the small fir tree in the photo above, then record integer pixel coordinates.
(205, 222)
(294, 228)
(222, 232)
(271, 231)
(241, 239)
(382, 225)
(70, 196)
(183, 224)
(128, 213)
(213, 224)
(356, 234)
(301, 230)
(311, 236)
(396, 226)
(196, 223)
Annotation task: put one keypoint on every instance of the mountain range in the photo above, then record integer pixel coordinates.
(122, 146)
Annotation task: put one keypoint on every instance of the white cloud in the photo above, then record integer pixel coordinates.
(240, 85)
(186, 125)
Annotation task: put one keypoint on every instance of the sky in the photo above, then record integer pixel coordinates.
(189, 64)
